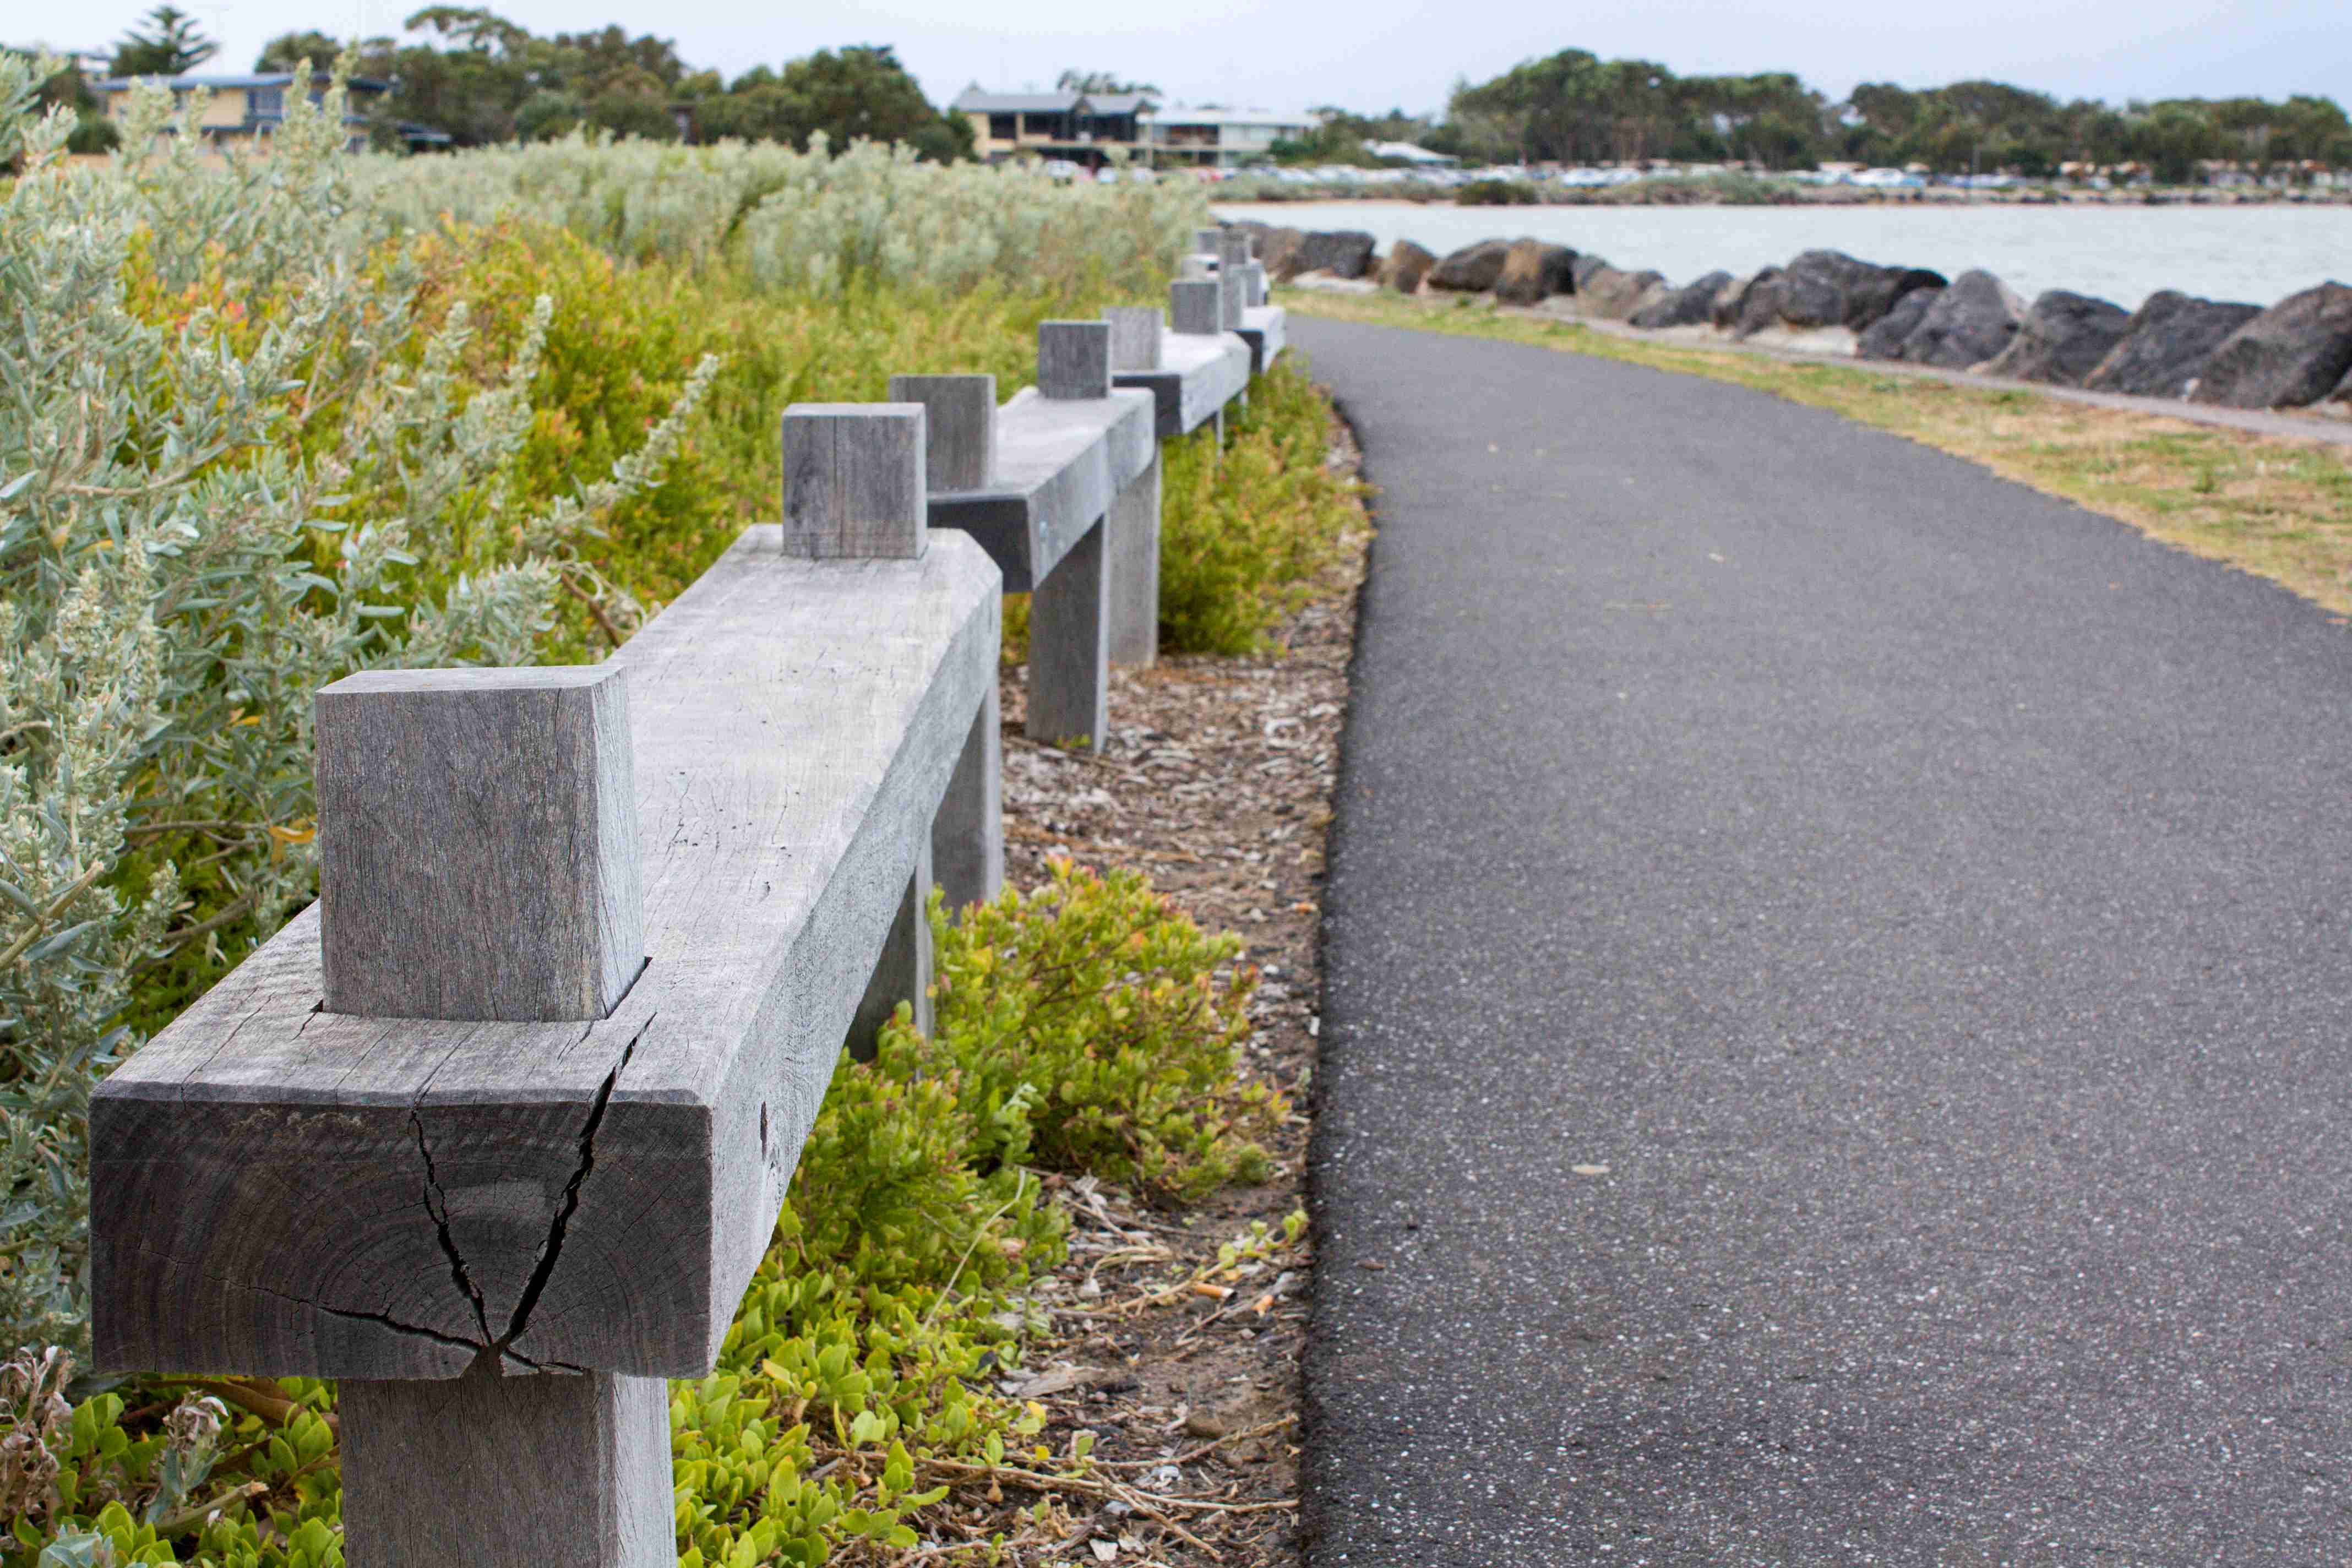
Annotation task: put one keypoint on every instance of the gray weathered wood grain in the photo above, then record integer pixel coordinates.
(1264, 328)
(1069, 648)
(1058, 466)
(1193, 309)
(961, 421)
(1135, 333)
(1233, 287)
(854, 481)
(281, 1190)
(1198, 376)
(514, 1472)
(967, 833)
(477, 843)
(1133, 541)
(903, 971)
(1072, 360)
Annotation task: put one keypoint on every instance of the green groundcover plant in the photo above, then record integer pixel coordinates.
(1085, 1027)
(1245, 527)
(265, 424)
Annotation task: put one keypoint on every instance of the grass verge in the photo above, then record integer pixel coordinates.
(2279, 508)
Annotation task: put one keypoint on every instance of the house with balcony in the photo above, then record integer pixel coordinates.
(248, 109)
(1219, 138)
(1080, 127)
(1085, 127)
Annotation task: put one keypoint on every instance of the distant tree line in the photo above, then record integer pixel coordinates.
(1577, 107)
(483, 80)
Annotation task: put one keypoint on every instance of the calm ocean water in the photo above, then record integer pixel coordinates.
(2259, 254)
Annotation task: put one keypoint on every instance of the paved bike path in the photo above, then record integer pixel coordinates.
(1930, 903)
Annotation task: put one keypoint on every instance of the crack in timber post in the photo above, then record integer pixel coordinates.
(543, 1266)
(381, 1319)
(440, 1217)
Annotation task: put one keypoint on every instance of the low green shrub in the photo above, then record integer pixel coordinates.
(1086, 1027)
(1091, 1026)
(1243, 530)
(1497, 193)
(1731, 189)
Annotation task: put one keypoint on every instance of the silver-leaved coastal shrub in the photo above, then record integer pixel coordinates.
(872, 214)
(225, 446)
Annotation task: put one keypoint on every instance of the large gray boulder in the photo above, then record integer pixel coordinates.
(1474, 269)
(1280, 249)
(1688, 306)
(1585, 266)
(1870, 296)
(1532, 271)
(1346, 253)
(1615, 295)
(1885, 338)
(2167, 344)
(2063, 339)
(1969, 323)
(1759, 303)
(2291, 354)
(1828, 289)
(1405, 266)
(1732, 300)
(1831, 289)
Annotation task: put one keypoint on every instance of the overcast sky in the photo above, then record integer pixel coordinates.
(1372, 55)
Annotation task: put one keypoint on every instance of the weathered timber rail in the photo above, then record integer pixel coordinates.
(498, 1129)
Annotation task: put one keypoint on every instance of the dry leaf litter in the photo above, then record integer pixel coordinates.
(1216, 778)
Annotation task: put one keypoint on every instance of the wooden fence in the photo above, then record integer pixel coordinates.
(498, 1129)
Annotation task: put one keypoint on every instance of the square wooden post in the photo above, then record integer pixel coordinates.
(1135, 333)
(903, 972)
(1074, 358)
(479, 860)
(478, 842)
(854, 481)
(1233, 262)
(960, 413)
(1134, 520)
(1192, 308)
(855, 478)
(1134, 524)
(1069, 647)
(968, 834)
(505, 1472)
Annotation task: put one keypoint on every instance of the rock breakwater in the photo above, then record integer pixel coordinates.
(2294, 354)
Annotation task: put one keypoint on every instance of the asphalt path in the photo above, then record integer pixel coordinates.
(1836, 1046)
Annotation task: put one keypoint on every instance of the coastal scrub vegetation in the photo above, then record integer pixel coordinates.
(282, 419)
(2271, 505)
(1245, 526)
(1087, 1028)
